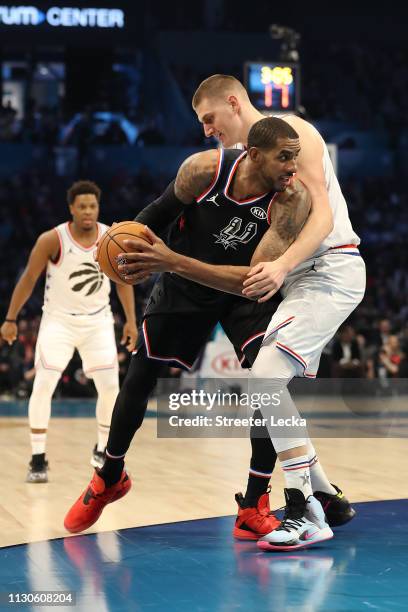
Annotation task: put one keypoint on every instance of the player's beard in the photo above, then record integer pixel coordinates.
(88, 227)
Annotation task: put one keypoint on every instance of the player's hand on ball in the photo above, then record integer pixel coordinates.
(264, 280)
(129, 336)
(145, 258)
(9, 332)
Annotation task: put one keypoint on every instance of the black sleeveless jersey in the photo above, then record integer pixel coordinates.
(217, 228)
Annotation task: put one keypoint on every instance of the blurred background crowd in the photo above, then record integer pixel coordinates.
(131, 123)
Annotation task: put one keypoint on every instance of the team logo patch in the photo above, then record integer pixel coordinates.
(259, 213)
(92, 278)
(232, 236)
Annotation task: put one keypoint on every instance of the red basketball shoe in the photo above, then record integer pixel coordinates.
(253, 523)
(88, 507)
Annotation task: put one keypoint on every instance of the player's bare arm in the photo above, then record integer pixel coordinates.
(310, 171)
(127, 299)
(288, 215)
(319, 224)
(195, 175)
(46, 247)
(158, 257)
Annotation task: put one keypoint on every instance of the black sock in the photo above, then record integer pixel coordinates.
(38, 460)
(256, 487)
(263, 461)
(112, 470)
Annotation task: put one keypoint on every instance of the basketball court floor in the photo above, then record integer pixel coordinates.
(167, 545)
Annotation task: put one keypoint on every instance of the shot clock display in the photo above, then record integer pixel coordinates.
(274, 86)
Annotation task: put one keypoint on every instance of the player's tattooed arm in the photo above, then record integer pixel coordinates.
(228, 279)
(195, 175)
(155, 256)
(288, 213)
(193, 178)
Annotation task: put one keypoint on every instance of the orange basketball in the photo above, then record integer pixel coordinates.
(111, 244)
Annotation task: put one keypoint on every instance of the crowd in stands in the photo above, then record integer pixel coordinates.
(374, 343)
(373, 97)
(96, 125)
(361, 101)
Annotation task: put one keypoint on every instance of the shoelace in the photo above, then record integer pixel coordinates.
(289, 523)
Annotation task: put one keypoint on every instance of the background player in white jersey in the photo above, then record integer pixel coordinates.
(323, 278)
(76, 315)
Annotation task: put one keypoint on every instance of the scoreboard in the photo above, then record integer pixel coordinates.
(273, 87)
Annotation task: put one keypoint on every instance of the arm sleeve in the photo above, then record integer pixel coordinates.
(161, 212)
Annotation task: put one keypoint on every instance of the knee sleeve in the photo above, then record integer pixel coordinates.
(39, 405)
(107, 386)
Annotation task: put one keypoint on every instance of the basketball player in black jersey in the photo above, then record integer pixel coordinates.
(231, 209)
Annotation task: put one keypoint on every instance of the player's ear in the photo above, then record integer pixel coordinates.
(234, 104)
(254, 154)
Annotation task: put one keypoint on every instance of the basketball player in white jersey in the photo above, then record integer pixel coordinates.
(322, 279)
(76, 315)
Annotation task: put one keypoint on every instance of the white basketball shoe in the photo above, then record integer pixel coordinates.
(304, 524)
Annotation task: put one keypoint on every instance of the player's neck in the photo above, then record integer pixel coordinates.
(247, 183)
(86, 237)
(250, 116)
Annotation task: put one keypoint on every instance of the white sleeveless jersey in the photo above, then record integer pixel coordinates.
(74, 283)
(342, 233)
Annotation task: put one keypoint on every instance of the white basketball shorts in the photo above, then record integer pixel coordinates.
(318, 297)
(92, 335)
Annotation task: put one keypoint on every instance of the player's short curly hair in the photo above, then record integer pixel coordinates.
(81, 188)
(264, 134)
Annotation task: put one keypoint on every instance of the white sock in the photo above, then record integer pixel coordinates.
(103, 435)
(297, 474)
(318, 477)
(38, 443)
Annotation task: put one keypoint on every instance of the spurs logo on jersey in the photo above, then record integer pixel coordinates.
(93, 278)
(219, 222)
(229, 237)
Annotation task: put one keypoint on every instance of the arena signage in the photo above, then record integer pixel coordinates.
(62, 17)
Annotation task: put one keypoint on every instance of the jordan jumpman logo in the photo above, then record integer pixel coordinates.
(213, 199)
